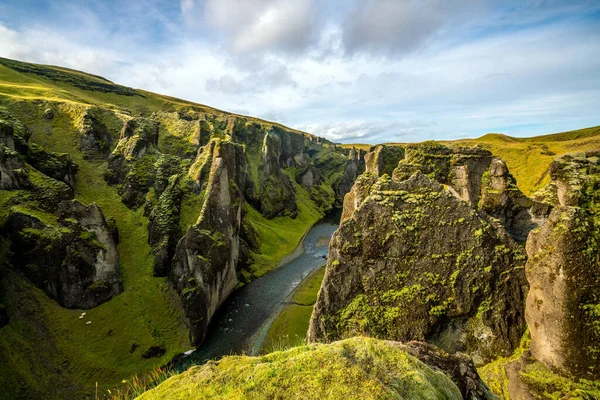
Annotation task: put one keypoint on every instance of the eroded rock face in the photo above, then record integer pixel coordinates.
(76, 263)
(563, 305)
(204, 266)
(164, 231)
(57, 166)
(382, 159)
(277, 196)
(132, 162)
(95, 140)
(13, 174)
(413, 261)
(355, 165)
(478, 178)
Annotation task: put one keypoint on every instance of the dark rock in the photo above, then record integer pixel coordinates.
(164, 231)
(54, 165)
(563, 305)
(154, 351)
(132, 164)
(205, 261)
(457, 366)
(76, 263)
(355, 165)
(414, 262)
(13, 173)
(95, 140)
(48, 114)
(277, 197)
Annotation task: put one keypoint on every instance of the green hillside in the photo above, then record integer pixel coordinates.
(44, 341)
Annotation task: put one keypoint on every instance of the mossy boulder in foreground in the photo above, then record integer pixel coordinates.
(357, 368)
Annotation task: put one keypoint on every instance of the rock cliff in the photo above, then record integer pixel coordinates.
(563, 305)
(414, 259)
(205, 262)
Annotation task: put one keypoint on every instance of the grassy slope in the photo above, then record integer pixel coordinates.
(358, 368)
(290, 327)
(528, 159)
(147, 312)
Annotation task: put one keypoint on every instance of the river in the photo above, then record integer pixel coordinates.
(240, 324)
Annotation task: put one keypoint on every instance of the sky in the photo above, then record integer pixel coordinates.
(352, 71)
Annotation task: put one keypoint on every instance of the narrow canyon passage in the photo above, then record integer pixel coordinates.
(237, 326)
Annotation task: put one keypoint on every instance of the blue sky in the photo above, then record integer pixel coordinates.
(352, 71)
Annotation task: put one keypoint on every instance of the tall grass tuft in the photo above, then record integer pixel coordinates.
(137, 385)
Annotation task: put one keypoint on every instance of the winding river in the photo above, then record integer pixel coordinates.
(241, 323)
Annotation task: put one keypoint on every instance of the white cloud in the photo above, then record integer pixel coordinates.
(522, 81)
(257, 25)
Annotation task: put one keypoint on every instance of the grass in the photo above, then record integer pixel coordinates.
(281, 235)
(358, 368)
(146, 314)
(290, 327)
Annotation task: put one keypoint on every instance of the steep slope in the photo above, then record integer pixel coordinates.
(427, 255)
(358, 368)
(154, 166)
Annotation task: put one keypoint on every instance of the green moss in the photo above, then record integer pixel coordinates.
(358, 368)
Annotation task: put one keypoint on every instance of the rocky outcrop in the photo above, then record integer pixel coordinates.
(132, 162)
(204, 266)
(13, 174)
(95, 140)
(414, 261)
(57, 166)
(277, 196)
(355, 165)
(382, 159)
(164, 231)
(75, 262)
(357, 368)
(563, 305)
(478, 178)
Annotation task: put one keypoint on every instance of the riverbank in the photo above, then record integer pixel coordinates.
(234, 327)
(288, 328)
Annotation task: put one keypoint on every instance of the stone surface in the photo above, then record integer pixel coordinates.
(355, 165)
(277, 196)
(414, 261)
(76, 263)
(204, 266)
(563, 305)
(382, 159)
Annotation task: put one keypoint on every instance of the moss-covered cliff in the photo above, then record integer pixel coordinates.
(150, 164)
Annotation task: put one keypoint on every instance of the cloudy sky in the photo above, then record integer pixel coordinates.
(352, 71)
